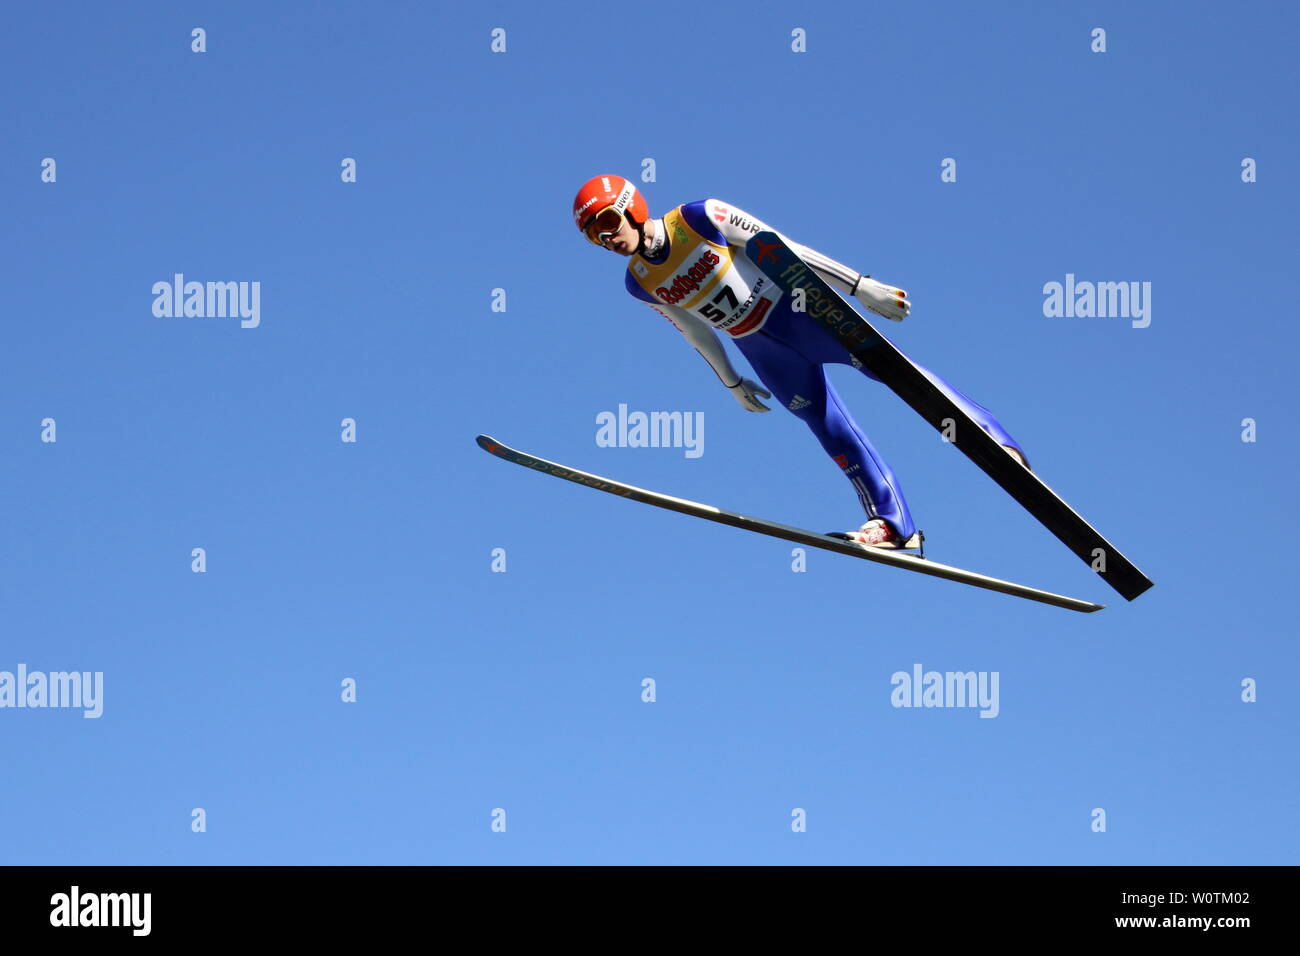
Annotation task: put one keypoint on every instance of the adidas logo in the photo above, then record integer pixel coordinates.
(797, 403)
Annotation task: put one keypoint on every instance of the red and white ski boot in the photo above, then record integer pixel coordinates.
(1018, 456)
(878, 533)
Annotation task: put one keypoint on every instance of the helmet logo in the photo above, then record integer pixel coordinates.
(625, 197)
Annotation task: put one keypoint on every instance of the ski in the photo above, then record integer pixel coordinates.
(823, 304)
(798, 535)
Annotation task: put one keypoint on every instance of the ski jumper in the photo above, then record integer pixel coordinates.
(700, 279)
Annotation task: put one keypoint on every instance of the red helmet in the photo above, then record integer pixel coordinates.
(608, 192)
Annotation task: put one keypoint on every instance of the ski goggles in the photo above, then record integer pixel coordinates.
(606, 222)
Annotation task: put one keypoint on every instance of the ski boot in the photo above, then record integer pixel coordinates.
(1018, 456)
(878, 533)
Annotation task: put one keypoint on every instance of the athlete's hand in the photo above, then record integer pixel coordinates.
(747, 392)
(882, 299)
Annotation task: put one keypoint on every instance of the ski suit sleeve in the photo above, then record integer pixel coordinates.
(704, 340)
(737, 226)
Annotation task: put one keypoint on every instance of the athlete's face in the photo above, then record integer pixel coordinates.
(624, 240)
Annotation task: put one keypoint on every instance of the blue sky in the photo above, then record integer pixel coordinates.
(522, 690)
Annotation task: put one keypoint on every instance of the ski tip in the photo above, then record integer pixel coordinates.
(1135, 591)
(488, 443)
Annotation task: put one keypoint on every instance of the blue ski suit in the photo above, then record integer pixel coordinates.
(696, 275)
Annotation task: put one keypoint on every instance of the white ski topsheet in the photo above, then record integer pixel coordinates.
(908, 562)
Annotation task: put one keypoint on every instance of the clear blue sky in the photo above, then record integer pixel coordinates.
(521, 690)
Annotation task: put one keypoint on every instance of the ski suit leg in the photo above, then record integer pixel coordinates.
(983, 417)
(802, 387)
(813, 342)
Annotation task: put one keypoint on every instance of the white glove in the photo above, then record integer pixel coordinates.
(882, 299)
(747, 392)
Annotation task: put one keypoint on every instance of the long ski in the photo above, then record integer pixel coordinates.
(825, 305)
(907, 562)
